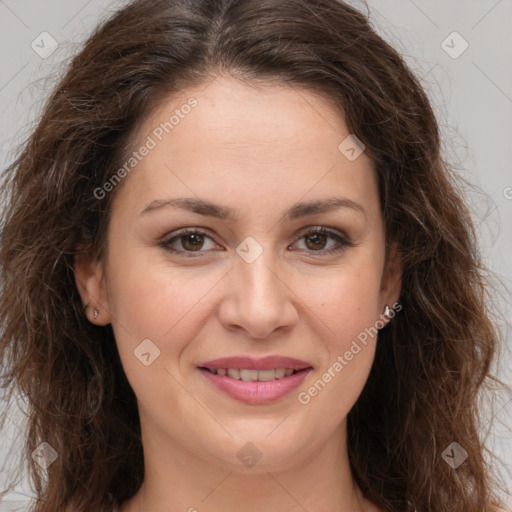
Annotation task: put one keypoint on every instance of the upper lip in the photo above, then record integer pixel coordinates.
(251, 363)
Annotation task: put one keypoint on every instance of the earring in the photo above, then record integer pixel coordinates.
(387, 311)
(95, 314)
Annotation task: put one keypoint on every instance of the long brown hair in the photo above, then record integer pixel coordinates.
(431, 361)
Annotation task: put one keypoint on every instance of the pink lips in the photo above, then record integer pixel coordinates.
(250, 363)
(256, 392)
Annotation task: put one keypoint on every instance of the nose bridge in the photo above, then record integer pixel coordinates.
(258, 299)
(256, 270)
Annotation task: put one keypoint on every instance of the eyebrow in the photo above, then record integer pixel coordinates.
(299, 210)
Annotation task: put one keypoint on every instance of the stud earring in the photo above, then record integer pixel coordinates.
(387, 311)
(95, 314)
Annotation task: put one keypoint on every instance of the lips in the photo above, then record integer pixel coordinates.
(250, 363)
(248, 375)
(255, 381)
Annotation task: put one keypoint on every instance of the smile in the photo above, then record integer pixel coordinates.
(255, 387)
(248, 375)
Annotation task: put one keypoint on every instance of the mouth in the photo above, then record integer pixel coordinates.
(248, 375)
(255, 381)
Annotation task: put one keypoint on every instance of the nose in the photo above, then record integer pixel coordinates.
(258, 299)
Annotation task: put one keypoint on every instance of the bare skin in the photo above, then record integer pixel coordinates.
(257, 152)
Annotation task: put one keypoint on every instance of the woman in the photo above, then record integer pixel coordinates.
(245, 277)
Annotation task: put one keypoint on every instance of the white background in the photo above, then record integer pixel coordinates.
(472, 96)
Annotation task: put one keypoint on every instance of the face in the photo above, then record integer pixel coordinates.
(259, 274)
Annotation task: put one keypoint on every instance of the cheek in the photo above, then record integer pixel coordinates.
(150, 299)
(347, 307)
(147, 295)
(350, 351)
(346, 301)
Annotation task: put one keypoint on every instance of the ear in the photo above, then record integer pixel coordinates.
(90, 282)
(391, 282)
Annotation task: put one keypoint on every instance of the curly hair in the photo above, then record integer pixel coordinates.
(422, 392)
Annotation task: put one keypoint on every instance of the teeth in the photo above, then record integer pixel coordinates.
(281, 372)
(234, 373)
(254, 375)
(249, 375)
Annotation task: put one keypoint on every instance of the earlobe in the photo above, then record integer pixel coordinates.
(391, 283)
(89, 279)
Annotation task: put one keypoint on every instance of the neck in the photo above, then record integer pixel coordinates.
(179, 479)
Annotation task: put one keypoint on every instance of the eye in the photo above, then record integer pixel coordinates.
(190, 239)
(317, 237)
(193, 240)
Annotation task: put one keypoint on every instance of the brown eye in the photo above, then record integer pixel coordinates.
(317, 239)
(187, 241)
(192, 241)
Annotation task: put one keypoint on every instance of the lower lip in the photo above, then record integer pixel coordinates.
(256, 392)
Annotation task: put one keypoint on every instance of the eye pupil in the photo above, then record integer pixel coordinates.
(315, 241)
(315, 237)
(196, 244)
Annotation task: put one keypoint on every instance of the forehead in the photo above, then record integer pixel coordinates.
(226, 139)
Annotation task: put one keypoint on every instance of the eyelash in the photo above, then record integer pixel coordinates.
(343, 242)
